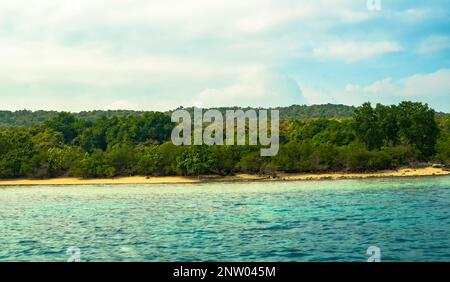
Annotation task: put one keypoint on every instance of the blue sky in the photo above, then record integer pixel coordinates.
(158, 55)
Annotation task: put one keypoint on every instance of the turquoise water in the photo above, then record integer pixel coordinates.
(408, 219)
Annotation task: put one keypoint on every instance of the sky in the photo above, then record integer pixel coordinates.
(159, 55)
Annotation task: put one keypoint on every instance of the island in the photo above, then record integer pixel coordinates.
(316, 142)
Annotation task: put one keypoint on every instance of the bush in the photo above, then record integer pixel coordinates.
(227, 157)
(325, 157)
(443, 150)
(94, 165)
(122, 158)
(360, 159)
(195, 160)
(401, 155)
(149, 161)
(251, 163)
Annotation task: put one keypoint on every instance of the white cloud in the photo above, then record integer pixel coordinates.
(434, 43)
(432, 88)
(150, 54)
(355, 51)
(122, 105)
(260, 88)
(49, 62)
(379, 88)
(250, 13)
(316, 95)
(435, 84)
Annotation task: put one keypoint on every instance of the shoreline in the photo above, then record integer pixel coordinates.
(403, 172)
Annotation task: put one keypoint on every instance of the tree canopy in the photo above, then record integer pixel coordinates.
(372, 138)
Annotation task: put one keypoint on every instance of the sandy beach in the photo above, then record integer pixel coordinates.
(404, 172)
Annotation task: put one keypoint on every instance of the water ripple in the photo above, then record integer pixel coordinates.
(409, 219)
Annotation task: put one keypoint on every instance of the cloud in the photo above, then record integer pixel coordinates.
(48, 61)
(94, 54)
(434, 43)
(122, 105)
(355, 51)
(260, 88)
(435, 84)
(432, 88)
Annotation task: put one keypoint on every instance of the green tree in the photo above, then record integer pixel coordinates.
(17, 150)
(417, 126)
(388, 123)
(94, 137)
(66, 123)
(195, 160)
(122, 158)
(47, 139)
(359, 159)
(93, 165)
(367, 126)
(62, 159)
(149, 161)
(252, 163)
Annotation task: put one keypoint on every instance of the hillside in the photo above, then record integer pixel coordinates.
(29, 118)
(375, 138)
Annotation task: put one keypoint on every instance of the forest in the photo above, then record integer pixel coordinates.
(28, 118)
(125, 143)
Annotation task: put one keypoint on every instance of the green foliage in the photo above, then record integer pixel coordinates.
(409, 123)
(66, 123)
(227, 157)
(368, 126)
(401, 155)
(94, 137)
(322, 131)
(195, 160)
(122, 158)
(359, 159)
(123, 143)
(15, 153)
(149, 128)
(443, 143)
(294, 157)
(93, 165)
(24, 118)
(252, 163)
(418, 127)
(47, 139)
(294, 112)
(150, 161)
(444, 151)
(62, 159)
(307, 156)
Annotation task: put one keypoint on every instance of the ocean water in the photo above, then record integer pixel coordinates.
(407, 219)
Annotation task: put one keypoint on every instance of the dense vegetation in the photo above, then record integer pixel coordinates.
(297, 112)
(130, 143)
(28, 118)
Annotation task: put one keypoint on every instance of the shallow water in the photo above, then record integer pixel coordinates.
(408, 219)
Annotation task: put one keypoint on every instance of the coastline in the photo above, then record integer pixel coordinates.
(403, 172)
